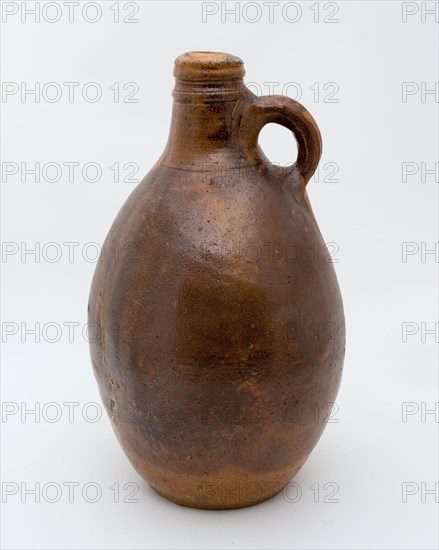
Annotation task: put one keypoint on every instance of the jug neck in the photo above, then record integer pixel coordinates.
(207, 89)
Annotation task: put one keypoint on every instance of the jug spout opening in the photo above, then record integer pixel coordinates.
(208, 67)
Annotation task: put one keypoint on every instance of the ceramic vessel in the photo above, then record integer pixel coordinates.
(219, 313)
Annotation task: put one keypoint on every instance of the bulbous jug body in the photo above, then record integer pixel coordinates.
(221, 322)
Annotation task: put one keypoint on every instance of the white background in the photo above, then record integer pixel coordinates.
(372, 451)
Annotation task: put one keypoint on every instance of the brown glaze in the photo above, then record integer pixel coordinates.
(220, 317)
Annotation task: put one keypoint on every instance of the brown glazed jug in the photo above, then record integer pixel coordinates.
(220, 320)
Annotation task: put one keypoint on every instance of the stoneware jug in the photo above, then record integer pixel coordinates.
(220, 320)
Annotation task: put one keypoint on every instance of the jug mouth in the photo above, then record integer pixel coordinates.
(208, 66)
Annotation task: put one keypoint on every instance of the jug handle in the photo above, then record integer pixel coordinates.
(256, 112)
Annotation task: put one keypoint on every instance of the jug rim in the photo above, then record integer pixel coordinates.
(208, 66)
